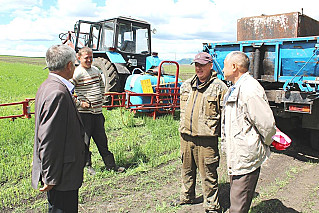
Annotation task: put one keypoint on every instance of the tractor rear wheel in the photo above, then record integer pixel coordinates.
(111, 76)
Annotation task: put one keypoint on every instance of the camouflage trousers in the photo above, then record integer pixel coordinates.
(201, 153)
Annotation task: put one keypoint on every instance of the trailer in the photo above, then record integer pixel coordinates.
(288, 70)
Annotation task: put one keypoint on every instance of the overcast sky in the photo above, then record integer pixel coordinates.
(29, 27)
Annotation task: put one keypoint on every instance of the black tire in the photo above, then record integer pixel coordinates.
(111, 76)
(112, 79)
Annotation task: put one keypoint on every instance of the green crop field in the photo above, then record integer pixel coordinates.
(148, 148)
(138, 142)
(18, 81)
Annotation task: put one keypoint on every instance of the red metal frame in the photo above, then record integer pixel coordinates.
(26, 112)
(165, 100)
(117, 99)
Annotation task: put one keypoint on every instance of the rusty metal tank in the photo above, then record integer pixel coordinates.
(286, 25)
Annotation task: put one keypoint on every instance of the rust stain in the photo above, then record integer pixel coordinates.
(288, 25)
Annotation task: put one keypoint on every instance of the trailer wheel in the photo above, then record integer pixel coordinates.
(111, 76)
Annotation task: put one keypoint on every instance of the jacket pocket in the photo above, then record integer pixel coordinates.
(238, 126)
(212, 160)
(183, 101)
(69, 159)
(211, 107)
(211, 164)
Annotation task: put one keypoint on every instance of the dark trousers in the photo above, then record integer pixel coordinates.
(242, 188)
(94, 127)
(63, 201)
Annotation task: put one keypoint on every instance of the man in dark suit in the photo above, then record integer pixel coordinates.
(59, 148)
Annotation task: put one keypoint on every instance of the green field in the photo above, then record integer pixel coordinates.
(138, 142)
(148, 148)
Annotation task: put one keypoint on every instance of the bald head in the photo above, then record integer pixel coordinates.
(239, 58)
(236, 64)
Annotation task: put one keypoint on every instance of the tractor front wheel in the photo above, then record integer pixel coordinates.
(111, 76)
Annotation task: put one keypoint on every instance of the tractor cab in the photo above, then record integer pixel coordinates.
(129, 37)
(120, 46)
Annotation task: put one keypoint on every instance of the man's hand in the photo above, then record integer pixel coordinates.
(85, 104)
(46, 188)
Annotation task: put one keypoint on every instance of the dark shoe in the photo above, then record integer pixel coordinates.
(181, 202)
(213, 211)
(109, 162)
(90, 170)
(118, 169)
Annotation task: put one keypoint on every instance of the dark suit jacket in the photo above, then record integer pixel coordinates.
(59, 149)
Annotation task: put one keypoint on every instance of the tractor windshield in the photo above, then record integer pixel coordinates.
(87, 34)
(107, 35)
(133, 38)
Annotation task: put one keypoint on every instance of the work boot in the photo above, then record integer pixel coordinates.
(88, 164)
(109, 162)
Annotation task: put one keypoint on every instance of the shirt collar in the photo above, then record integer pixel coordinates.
(196, 83)
(67, 83)
(240, 78)
(232, 88)
(232, 92)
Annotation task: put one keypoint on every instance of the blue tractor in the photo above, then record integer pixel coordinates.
(120, 45)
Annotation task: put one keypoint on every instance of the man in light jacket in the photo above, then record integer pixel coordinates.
(248, 125)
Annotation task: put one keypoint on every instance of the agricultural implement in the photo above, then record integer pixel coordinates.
(148, 93)
(25, 107)
(144, 92)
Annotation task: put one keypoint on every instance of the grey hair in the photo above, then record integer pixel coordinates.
(239, 58)
(58, 56)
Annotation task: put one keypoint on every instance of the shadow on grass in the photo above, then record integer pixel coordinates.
(137, 158)
(271, 206)
(176, 115)
(266, 206)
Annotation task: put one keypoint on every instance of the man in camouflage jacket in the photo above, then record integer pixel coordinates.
(200, 100)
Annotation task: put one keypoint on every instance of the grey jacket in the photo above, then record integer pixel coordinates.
(59, 149)
(248, 125)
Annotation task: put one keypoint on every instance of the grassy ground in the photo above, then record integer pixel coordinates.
(18, 81)
(138, 142)
(149, 149)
